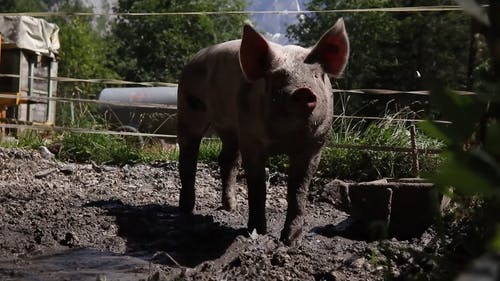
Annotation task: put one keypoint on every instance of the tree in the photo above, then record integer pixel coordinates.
(470, 171)
(85, 53)
(12, 6)
(154, 48)
(387, 49)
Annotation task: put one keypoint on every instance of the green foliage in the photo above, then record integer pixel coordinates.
(209, 150)
(84, 53)
(471, 170)
(278, 163)
(20, 6)
(98, 148)
(30, 139)
(452, 107)
(387, 49)
(156, 48)
(119, 150)
(26, 139)
(107, 149)
(365, 165)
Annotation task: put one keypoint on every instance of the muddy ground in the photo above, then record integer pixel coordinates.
(64, 221)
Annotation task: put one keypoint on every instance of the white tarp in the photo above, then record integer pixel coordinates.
(30, 33)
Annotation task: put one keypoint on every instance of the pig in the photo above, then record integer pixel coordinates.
(261, 98)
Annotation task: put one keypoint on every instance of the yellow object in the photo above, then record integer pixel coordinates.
(8, 99)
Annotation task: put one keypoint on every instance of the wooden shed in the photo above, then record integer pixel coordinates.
(28, 64)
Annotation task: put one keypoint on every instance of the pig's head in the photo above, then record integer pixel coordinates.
(296, 79)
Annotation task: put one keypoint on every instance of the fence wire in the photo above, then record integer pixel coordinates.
(16, 124)
(417, 9)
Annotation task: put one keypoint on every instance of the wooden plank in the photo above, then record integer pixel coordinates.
(8, 99)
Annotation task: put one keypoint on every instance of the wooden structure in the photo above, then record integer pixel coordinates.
(29, 49)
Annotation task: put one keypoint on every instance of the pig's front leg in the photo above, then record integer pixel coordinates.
(253, 159)
(301, 171)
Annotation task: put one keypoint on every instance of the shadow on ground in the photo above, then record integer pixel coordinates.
(346, 228)
(161, 234)
(361, 231)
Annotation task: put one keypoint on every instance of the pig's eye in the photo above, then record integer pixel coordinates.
(281, 75)
(280, 92)
(316, 75)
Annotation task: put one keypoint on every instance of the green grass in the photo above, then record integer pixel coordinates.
(25, 139)
(120, 150)
(109, 149)
(358, 164)
(84, 148)
(335, 163)
(209, 150)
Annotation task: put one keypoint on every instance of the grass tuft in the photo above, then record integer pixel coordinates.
(369, 165)
(335, 163)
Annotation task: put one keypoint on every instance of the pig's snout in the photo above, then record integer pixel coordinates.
(304, 99)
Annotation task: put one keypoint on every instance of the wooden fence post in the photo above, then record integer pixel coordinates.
(413, 136)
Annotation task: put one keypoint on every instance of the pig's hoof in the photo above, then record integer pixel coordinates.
(291, 238)
(290, 242)
(229, 204)
(261, 229)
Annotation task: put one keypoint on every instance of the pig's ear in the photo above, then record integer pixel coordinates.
(255, 54)
(332, 50)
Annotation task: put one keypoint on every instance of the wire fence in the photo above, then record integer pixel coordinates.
(413, 149)
(24, 99)
(43, 99)
(416, 9)
(8, 123)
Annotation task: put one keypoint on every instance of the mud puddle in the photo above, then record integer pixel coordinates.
(77, 264)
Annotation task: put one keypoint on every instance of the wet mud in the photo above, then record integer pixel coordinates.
(66, 221)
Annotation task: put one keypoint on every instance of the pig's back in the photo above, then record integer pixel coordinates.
(213, 76)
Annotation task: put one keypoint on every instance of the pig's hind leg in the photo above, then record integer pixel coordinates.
(192, 124)
(229, 162)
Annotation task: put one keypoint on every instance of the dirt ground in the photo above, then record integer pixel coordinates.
(65, 221)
